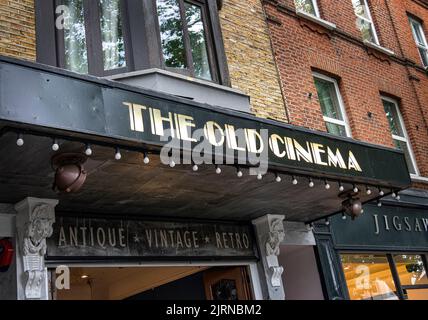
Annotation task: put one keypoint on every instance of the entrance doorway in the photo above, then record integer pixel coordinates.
(156, 283)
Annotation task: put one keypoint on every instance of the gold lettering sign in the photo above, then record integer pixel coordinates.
(180, 126)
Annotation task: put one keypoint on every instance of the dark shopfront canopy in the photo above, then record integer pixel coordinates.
(44, 103)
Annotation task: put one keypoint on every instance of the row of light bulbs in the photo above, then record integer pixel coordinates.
(239, 173)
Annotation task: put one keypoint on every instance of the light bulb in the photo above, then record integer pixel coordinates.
(394, 195)
(55, 145)
(397, 197)
(327, 185)
(294, 182)
(381, 193)
(311, 183)
(327, 222)
(356, 189)
(88, 150)
(259, 176)
(217, 170)
(172, 164)
(20, 140)
(239, 174)
(195, 168)
(146, 159)
(379, 204)
(341, 187)
(278, 178)
(344, 216)
(117, 155)
(369, 192)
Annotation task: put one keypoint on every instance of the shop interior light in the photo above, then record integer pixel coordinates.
(55, 145)
(217, 169)
(146, 159)
(294, 181)
(341, 187)
(85, 276)
(118, 155)
(88, 150)
(239, 173)
(327, 185)
(311, 183)
(278, 177)
(20, 140)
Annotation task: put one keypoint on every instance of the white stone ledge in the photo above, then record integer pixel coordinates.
(321, 22)
(379, 48)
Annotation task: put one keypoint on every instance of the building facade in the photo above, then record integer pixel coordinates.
(358, 69)
(106, 100)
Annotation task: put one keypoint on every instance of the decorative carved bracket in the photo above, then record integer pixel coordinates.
(36, 218)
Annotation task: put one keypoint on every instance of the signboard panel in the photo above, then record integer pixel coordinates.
(87, 237)
(60, 100)
(387, 227)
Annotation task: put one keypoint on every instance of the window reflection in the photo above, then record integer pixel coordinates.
(76, 58)
(171, 32)
(197, 41)
(411, 270)
(112, 34)
(368, 277)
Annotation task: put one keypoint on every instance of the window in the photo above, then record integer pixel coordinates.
(332, 105)
(421, 42)
(385, 276)
(307, 6)
(106, 37)
(184, 40)
(92, 38)
(364, 21)
(399, 134)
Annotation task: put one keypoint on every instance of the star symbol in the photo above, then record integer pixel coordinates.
(207, 239)
(136, 238)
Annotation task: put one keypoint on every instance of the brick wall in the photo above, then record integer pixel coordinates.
(17, 29)
(363, 74)
(249, 54)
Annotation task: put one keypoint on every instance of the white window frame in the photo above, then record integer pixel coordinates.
(315, 4)
(372, 26)
(424, 46)
(406, 136)
(342, 109)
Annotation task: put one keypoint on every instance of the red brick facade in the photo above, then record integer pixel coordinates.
(363, 73)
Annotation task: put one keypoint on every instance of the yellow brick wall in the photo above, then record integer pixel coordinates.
(249, 54)
(17, 29)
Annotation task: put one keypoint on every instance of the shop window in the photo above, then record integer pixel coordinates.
(368, 277)
(364, 21)
(185, 42)
(420, 39)
(385, 276)
(332, 105)
(307, 6)
(398, 131)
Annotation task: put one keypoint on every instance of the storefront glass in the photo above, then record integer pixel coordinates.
(370, 276)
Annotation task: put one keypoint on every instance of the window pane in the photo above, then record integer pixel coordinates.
(306, 6)
(417, 33)
(360, 8)
(368, 277)
(197, 41)
(424, 56)
(393, 118)
(76, 58)
(403, 146)
(336, 129)
(410, 269)
(366, 30)
(417, 294)
(112, 34)
(171, 32)
(328, 99)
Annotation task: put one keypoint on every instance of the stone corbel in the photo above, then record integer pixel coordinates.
(34, 223)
